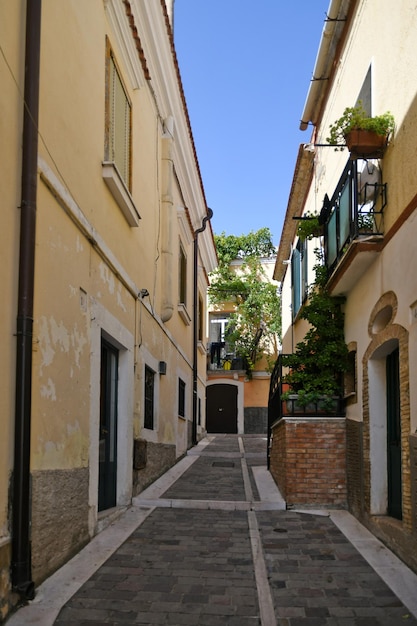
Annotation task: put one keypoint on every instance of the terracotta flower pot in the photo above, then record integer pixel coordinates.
(365, 144)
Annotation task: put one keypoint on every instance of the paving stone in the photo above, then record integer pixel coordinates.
(194, 566)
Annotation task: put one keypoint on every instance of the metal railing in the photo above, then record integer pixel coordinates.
(355, 210)
(291, 407)
(222, 357)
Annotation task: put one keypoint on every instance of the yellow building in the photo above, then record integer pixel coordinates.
(367, 206)
(236, 402)
(103, 185)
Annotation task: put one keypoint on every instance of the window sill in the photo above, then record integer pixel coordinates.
(184, 314)
(120, 193)
(201, 347)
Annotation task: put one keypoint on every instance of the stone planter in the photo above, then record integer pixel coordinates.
(322, 406)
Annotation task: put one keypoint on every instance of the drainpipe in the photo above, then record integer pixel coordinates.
(195, 320)
(167, 239)
(21, 554)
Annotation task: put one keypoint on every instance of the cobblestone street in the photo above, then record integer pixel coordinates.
(211, 543)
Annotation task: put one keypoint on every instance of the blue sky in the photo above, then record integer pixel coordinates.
(246, 69)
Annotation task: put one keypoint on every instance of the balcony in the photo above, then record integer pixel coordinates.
(221, 354)
(221, 357)
(353, 224)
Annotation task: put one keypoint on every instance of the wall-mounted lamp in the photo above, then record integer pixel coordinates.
(162, 367)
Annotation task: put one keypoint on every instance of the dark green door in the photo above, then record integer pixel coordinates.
(394, 435)
(107, 478)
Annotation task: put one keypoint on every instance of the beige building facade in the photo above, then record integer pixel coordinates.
(366, 53)
(122, 249)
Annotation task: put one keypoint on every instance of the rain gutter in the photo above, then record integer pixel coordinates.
(21, 545)
(206, 218)
(338, 18)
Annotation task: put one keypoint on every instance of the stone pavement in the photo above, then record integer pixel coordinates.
(211, 543)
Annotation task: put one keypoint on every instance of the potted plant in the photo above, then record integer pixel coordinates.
(366, 137)
(317, 365)
(309, 227)
(366, 222)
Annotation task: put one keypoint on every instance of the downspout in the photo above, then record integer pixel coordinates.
(167, 249)
(21, 508)
(195, 320)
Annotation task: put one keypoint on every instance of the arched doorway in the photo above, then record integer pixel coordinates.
(221, 411)
(385, 430)
(386, 414)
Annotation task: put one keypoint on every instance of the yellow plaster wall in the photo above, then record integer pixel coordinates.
(11, 72)
(256, 392)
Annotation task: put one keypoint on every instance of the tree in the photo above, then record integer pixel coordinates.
(240, 282)
(320, 359)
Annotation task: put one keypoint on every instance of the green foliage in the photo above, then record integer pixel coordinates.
(309, 227)
(255, 323)
(357, 117)
(255, 244)
(319, 360)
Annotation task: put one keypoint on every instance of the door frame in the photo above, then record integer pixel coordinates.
(105, 325)
(385, 335)
(395, 485)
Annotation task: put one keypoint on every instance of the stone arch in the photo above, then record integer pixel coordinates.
(385, 336)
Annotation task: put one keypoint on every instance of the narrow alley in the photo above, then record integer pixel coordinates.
(211, 543)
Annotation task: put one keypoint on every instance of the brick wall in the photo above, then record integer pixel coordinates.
(308, 461)
(413, 465)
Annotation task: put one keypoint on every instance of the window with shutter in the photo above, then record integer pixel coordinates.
(182, 276)
(299, 276)
(120, 126)
(119, 122)
(117, 163)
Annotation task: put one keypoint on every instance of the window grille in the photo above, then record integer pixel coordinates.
(149, 397)
(181, 398)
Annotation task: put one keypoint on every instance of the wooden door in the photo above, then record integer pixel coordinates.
(221, 409)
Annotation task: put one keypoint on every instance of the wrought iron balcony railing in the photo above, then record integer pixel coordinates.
(355, 211)
(222, 357)
(290, 405)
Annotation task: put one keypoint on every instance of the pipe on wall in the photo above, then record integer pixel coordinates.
(21, 504)
(167, 247)
(206, 218)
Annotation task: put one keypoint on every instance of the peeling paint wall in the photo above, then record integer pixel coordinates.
(91, 266)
